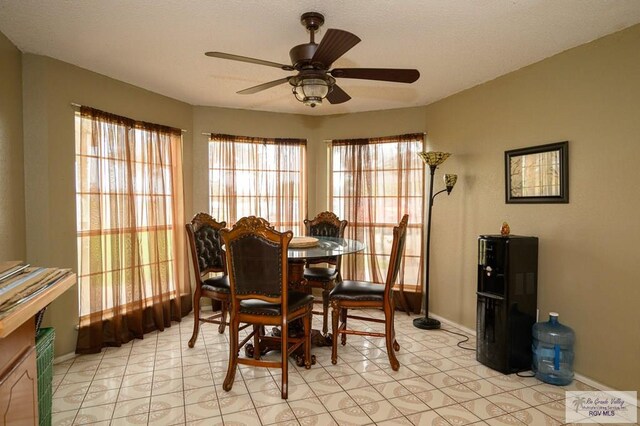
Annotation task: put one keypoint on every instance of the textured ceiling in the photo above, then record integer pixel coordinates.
(159, 45)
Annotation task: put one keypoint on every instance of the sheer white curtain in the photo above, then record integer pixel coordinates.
(131, 249)
(375, 182)
(258, 176)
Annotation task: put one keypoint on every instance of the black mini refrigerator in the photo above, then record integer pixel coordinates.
(507, 301)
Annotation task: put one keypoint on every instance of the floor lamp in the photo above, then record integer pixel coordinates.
(433, 160)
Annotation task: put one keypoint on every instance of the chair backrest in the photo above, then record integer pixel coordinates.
(257, 260)
(326, 224)
(203, 234)
(397, 251)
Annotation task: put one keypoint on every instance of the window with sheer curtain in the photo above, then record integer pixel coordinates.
(131, 250)
(260, 177)
(374, 182)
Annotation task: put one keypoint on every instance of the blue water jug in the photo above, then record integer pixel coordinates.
(553, 351)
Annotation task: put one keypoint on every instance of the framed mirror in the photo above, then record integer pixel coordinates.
(538, 174)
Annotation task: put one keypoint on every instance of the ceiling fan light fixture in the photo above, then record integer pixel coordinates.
(311, 91)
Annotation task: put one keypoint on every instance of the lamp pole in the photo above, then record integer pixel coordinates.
(433, 160)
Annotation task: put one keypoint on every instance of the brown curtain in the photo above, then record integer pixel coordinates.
(258, 176)
(374, 182)
(131, 251)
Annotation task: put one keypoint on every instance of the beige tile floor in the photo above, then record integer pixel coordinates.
(160, 381)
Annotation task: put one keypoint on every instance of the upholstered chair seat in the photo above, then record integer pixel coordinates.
(357, 291)
(317, 273)
(296, 301)
(220, 284)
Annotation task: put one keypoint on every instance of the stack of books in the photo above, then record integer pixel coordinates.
(20, 282)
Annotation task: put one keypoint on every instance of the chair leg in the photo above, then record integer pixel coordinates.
(284, 390)
(390, 338)
(256, 341)
(325, 308)
(196, 318)
(307, 339)
(334, 322)
(396, 345)
(233, 355)
(343, 321)
(223, 317)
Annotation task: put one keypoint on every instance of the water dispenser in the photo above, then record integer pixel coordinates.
(507, 301)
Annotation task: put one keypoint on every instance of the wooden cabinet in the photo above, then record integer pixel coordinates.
(18, 370)
(18, 377)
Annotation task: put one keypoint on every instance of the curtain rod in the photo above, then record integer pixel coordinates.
(75, 105)
(331, 140)
(324, 140)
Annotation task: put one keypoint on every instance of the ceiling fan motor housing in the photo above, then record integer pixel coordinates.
(301, 55)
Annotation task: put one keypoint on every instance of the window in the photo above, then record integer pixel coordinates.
(129, 211)
(259, 177)
(374, 182)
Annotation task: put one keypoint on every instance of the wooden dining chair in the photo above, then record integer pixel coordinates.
(325, 224)
(361, 294)
(207, 256)
(258, 277)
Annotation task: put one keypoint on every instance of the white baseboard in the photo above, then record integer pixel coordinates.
(63, 358)
(454, 324)
(588, 381)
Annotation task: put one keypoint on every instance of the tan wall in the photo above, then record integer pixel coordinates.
(50, 86)
(12, 222)
(588, 261)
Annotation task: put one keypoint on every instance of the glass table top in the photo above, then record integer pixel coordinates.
(327, 246)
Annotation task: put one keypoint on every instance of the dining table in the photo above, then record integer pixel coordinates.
(324, 247)
(298, 255)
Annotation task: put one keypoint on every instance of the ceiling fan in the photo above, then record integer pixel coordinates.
(315, 80)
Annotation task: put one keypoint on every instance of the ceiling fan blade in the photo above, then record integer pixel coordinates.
(337, 95)
(382, 74)
(263, 86)
(223, 55)
(334, 44)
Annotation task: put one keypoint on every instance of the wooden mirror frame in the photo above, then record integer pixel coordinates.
(562, 172)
